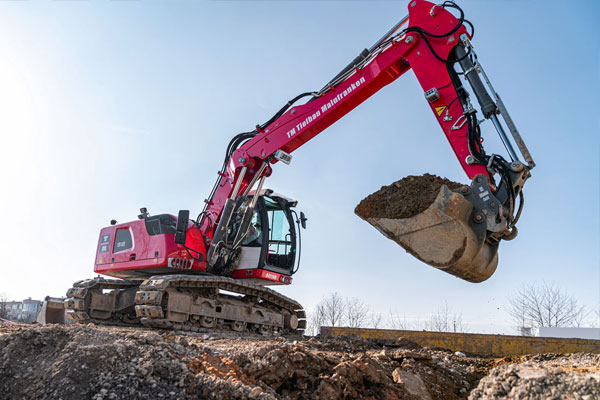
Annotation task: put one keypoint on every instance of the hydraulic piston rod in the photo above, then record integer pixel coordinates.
(504, 138)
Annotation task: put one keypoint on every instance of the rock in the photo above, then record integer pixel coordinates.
(297, 357)
(531, 373)
(412, 382)
(403, 353)
(460, 354)
(254, 393)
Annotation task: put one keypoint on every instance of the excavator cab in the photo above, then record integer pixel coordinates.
(271, 247)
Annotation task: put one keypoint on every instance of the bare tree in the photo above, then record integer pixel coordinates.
(3, 306)
(397, 322)
(581, 319)
(334, 310)
(536, 305)
(316, 320)
(331, 310)
(445, 320)
(356, 313)
(376, 320)
(518, 311)
(595, 319)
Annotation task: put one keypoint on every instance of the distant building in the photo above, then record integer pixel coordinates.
(13, 310)
(578, 333)
(23, 311)
(526, 331)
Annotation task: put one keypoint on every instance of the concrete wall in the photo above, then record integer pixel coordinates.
(473, 343)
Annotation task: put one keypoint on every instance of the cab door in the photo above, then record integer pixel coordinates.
(281, 236)
(123, 246)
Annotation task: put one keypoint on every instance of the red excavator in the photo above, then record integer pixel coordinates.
(212, 272)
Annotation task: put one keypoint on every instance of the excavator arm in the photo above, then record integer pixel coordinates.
(433, 44)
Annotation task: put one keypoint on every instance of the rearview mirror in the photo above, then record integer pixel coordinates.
(303, 220)
(182, 226)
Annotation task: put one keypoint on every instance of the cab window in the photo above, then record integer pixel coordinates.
(123, 240)
(254, 236)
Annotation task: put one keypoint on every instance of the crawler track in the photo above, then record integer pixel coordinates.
(103, 301)
(185, 302)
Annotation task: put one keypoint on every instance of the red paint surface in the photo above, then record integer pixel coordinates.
(123, 264)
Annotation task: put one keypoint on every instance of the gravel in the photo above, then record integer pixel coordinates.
(90, 362)
(548, 376)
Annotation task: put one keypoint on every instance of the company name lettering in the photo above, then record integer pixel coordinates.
(325, 107)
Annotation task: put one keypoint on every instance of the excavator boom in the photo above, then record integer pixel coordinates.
(432, 45)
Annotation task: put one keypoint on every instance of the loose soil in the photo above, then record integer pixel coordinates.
(405, 198)
(90, 362)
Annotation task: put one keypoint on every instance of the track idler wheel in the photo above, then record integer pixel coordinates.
(238, 326)
(263, 329)
(208, 322)
(290, 322)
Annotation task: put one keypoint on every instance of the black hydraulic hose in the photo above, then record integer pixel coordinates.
(231, 147)
(362, 56)
(456, 82)
(466, 21)
(284, 109)
(457, 27)
(235, 142)
(488, 107)
(473, 137)
(424, 33)
(518, 215)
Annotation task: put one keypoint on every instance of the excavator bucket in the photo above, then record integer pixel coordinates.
(52, 312)
(446, 236)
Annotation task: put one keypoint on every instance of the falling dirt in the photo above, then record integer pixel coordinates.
(405, 198)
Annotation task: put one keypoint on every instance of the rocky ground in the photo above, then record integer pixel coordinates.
(543, 377)
(88, 362)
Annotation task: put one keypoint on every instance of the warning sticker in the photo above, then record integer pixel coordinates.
(440, 110)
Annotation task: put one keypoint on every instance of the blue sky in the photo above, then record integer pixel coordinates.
(107, 106)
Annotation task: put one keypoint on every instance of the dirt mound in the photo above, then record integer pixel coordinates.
(575, 376)
(405, 198)
(87, 362)
(84, 363)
